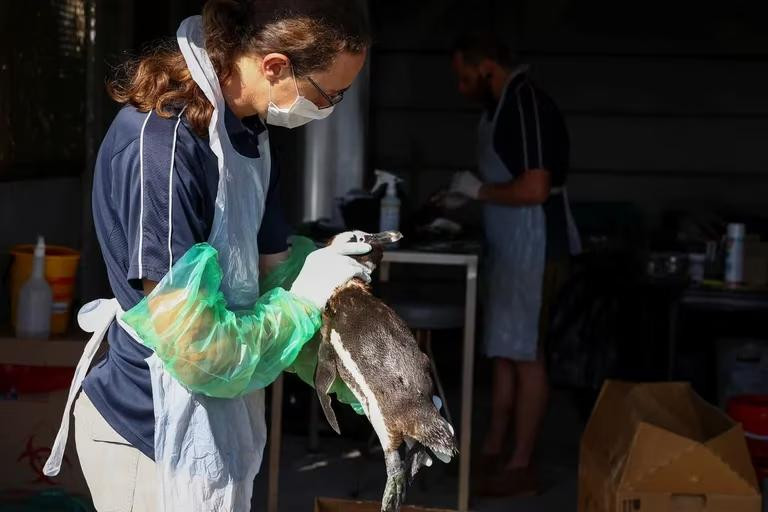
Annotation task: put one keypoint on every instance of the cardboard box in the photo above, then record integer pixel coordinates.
(338, 505)
(755, 261)
(28, 424)
(661, 448)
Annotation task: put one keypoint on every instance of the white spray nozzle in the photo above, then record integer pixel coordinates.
(388, 179)
(40, 247)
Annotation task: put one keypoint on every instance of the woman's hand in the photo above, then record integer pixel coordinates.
(330, 267)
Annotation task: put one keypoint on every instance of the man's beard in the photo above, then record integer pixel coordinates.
(484, 94)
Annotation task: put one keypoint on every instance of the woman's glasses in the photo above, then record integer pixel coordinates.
(332, 100)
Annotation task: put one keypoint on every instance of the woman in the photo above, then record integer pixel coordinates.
(172, 418)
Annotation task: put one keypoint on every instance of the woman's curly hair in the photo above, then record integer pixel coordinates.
(311, 33)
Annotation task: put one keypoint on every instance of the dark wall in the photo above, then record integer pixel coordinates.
(42, 100)
(665, 101)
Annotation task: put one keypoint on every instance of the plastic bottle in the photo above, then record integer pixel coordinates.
(734, 255)
(33, 315)
(390, 203)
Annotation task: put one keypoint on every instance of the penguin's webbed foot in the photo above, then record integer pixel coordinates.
(416, 458)
(397, 479)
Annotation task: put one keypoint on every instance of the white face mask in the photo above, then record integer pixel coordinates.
(299, 113)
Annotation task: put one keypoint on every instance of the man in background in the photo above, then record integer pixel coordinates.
(523, 153)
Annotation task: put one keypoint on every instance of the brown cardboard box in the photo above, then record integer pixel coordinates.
(337, 505)
(28, 425)
(661, 448)
(755, 261)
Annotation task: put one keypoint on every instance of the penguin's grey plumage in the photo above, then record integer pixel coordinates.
(372, 350)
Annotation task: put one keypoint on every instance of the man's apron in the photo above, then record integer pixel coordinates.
(516, 240)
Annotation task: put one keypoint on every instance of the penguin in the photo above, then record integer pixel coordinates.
(366, 344)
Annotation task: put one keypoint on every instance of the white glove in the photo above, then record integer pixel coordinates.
(330, 267)
(465, 183)
(449, 200)
(454, 200)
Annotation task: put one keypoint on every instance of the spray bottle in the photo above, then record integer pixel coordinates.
(734, 254)
(390, 203)
(33, 315)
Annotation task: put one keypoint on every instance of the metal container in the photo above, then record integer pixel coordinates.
(667, 264)
(333, 152)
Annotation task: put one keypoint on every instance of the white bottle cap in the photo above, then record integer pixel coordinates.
(40, 247)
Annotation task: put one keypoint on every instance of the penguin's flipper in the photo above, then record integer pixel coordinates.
(325, 375)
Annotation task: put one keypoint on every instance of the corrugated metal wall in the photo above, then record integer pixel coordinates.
(665, 101)
(42, 78)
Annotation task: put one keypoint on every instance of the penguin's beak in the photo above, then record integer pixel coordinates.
(385, 237)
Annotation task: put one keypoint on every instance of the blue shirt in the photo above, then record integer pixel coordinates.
(146, 217)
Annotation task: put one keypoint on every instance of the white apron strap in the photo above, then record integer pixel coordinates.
(574, 239)
(95, 317)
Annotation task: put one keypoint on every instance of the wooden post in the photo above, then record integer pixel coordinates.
(275, 443)
(466, 385)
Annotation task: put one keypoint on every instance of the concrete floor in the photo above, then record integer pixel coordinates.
(329, 473)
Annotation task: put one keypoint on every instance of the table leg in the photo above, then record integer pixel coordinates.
(466, 386)
(276, 437)
(314, 424)
(384, 271)
(674, 313)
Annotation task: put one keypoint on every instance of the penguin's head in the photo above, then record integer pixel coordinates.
(381, 238)
(377, 242)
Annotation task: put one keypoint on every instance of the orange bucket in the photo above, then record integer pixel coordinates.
(60, 271)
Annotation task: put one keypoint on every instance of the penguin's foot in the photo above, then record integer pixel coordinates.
(394, 492)
(397, 479)
(417, 458)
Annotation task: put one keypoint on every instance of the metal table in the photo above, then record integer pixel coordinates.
(470, 261)
(710, 300)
